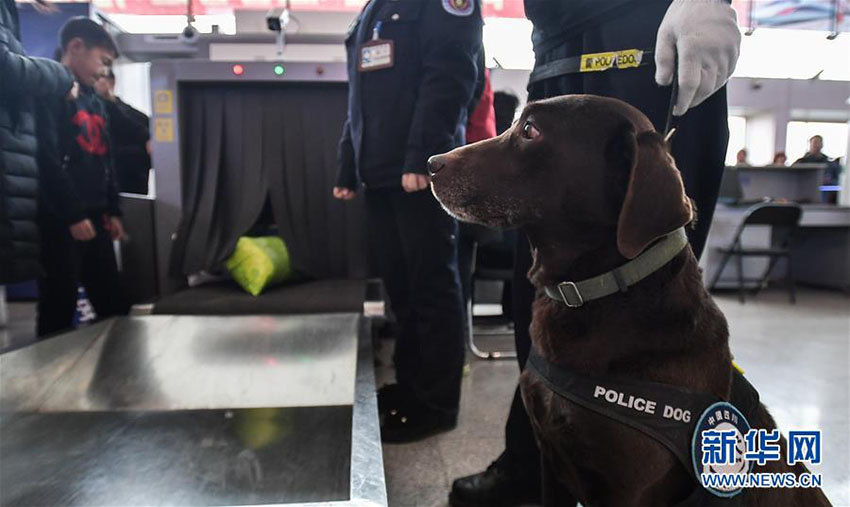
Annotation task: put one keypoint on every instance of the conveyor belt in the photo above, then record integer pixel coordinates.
(226, 298)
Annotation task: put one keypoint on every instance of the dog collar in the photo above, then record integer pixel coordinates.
(575, 294)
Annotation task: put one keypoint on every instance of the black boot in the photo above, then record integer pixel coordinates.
(501, 485)
(404, 418)
(390, 396)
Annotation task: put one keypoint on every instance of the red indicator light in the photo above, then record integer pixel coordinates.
(238, 69)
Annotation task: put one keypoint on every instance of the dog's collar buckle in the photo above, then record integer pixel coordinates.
(575, 300)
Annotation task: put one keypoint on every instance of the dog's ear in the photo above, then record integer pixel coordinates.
(655, 202)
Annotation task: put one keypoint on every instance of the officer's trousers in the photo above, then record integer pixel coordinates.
(413, 244)
(699, 147)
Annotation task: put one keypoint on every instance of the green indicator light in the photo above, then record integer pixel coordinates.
(279, 70)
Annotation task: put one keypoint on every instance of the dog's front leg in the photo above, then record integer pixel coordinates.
(555, 494)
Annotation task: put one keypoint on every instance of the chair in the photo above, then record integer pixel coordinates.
(473, 241)
(783, 220)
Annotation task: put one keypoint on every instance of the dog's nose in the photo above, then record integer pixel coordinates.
(435, 164)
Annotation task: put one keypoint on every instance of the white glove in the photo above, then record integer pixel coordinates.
(705, 35)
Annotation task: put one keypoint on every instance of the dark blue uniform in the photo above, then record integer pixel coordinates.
(399, 116)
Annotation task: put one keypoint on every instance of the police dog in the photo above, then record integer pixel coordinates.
(592, 185)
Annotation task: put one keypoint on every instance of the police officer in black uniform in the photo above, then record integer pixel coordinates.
(412, 69)
(698, 41)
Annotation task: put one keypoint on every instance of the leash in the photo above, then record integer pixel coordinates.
(670, 124)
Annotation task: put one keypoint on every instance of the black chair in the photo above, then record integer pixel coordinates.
(481, 254)
(783, 220)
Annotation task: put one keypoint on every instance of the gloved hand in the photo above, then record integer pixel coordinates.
(705, 35)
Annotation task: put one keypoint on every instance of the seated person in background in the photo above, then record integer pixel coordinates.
(814, 155)
(129, 130)
(780, 158)
(832, 173)
(79, 216)
(741, 157)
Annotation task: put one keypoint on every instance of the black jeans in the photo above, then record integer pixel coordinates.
(699, 148)
(413, 244)
(68, 263)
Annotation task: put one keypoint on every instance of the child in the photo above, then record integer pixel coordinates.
(80, 214)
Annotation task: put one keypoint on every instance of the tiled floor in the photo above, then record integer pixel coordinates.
(798, 356)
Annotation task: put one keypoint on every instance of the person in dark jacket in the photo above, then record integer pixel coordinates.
(815, 155)
(129, 130)
(80, 215)
(22, 80)
(705, 36)
(412, 69)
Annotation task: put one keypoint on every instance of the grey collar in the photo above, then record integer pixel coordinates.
(575, 294)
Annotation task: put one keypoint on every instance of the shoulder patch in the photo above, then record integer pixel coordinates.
(459, 7)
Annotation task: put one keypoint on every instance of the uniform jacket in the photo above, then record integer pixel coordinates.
(400, 116)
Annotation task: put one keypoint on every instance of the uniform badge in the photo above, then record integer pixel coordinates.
(718, 449)
(459, 7)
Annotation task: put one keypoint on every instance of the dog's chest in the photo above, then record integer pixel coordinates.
(583, 445)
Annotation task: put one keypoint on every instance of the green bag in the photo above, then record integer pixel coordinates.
(258, 263)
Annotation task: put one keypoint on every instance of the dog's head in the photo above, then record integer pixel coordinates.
(581, 165)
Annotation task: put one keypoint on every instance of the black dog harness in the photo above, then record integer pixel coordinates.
(667, 413)
(664, 412)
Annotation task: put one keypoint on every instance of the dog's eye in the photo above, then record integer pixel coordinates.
(529, 131)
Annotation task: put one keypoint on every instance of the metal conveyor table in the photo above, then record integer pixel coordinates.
(193, 410)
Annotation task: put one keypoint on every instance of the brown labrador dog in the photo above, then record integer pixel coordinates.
(592, 185)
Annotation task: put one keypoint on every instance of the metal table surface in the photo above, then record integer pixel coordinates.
(183, 410)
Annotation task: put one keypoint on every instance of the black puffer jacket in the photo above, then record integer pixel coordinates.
(22, 80)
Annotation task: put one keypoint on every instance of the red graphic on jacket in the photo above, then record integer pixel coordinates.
(90, 137)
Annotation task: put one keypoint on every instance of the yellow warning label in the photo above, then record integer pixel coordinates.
(163, 102)
(163, 130)
(627, 58)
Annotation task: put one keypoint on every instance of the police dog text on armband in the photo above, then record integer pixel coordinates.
(640, 404)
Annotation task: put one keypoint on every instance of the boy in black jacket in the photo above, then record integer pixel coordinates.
(80, 216)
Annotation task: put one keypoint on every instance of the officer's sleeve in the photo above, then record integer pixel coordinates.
(347, 174)
(449, 45)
